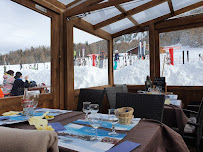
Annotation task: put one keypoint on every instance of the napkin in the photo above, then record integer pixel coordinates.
(10, 113)
(57, 126)
(40, 123)
(168, 102)
(125, 146)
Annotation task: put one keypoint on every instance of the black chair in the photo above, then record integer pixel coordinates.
(111, 94)
(95, 96)
(144, 105)
(195, 137)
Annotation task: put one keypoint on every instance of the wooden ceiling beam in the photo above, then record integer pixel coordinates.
(43, 3)
(180, 21)
(94, 7)
(72, 3)
(170, 6)
(180, 11)
(87, 27)
(120, 8)
(129, 13)
(57, 4)
(81, 6)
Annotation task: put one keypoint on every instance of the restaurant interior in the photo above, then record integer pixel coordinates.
(161, 127)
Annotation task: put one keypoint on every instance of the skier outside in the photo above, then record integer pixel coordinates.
(101, 59)
(8, 82)
(116, 59)
(19, 85)
(74, 56)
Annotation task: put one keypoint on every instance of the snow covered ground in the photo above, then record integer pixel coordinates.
(188, 74)
(42, 75)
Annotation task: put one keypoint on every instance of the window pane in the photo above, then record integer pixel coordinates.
(24, 44)
(179, 69)
(90, 60)
(131, 59)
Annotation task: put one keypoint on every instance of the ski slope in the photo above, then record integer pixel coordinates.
(188, 74)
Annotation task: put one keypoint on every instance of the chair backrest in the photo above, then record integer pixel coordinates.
(200, 112)
(144, 105)
(93, 95)
(111, 94)
(200, 122)
(125, 88)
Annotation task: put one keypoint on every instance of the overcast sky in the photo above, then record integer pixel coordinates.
(22, 28)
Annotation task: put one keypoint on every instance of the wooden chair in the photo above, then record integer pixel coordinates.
(145, 105)
(111, 94)
(94, 96)
(195, 137)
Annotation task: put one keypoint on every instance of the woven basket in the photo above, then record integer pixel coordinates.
(125, 120)
(124, 112)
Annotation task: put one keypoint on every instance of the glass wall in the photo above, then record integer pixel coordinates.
(24, 45)
(90, 60)
(181, 57)
(131, 59)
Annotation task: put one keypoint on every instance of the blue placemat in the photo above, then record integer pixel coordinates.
(81, 138)
(107, 124)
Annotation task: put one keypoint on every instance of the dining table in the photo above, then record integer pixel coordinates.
(174, 117)
(152, 135)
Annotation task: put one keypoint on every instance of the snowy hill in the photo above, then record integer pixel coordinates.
(188, 74)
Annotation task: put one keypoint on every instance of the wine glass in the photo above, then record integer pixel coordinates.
(94, 108)
(95, 121)
(113, 119)
(86, 109)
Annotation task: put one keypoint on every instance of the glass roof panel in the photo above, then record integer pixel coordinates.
(65, 1)
(76, 4)
(118, 26)
(133, 4)
(101, 15)
(103, 1)
(195, 11)
(178, 4)
(152, 13)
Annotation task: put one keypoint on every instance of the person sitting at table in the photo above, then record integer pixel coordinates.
(8, 82)
(19, 85)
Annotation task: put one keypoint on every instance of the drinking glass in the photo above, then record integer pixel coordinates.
(27, 108)
(34, 96)
(85, 108)
(94, 108)
(95, 121)
(113, 119)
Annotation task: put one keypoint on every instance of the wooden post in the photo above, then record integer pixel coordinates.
(110, 62)
(62, 64)
(157, 54)
(69, 64)
(188, 56)
(152, 51)
(55, 46)
(183, 58)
